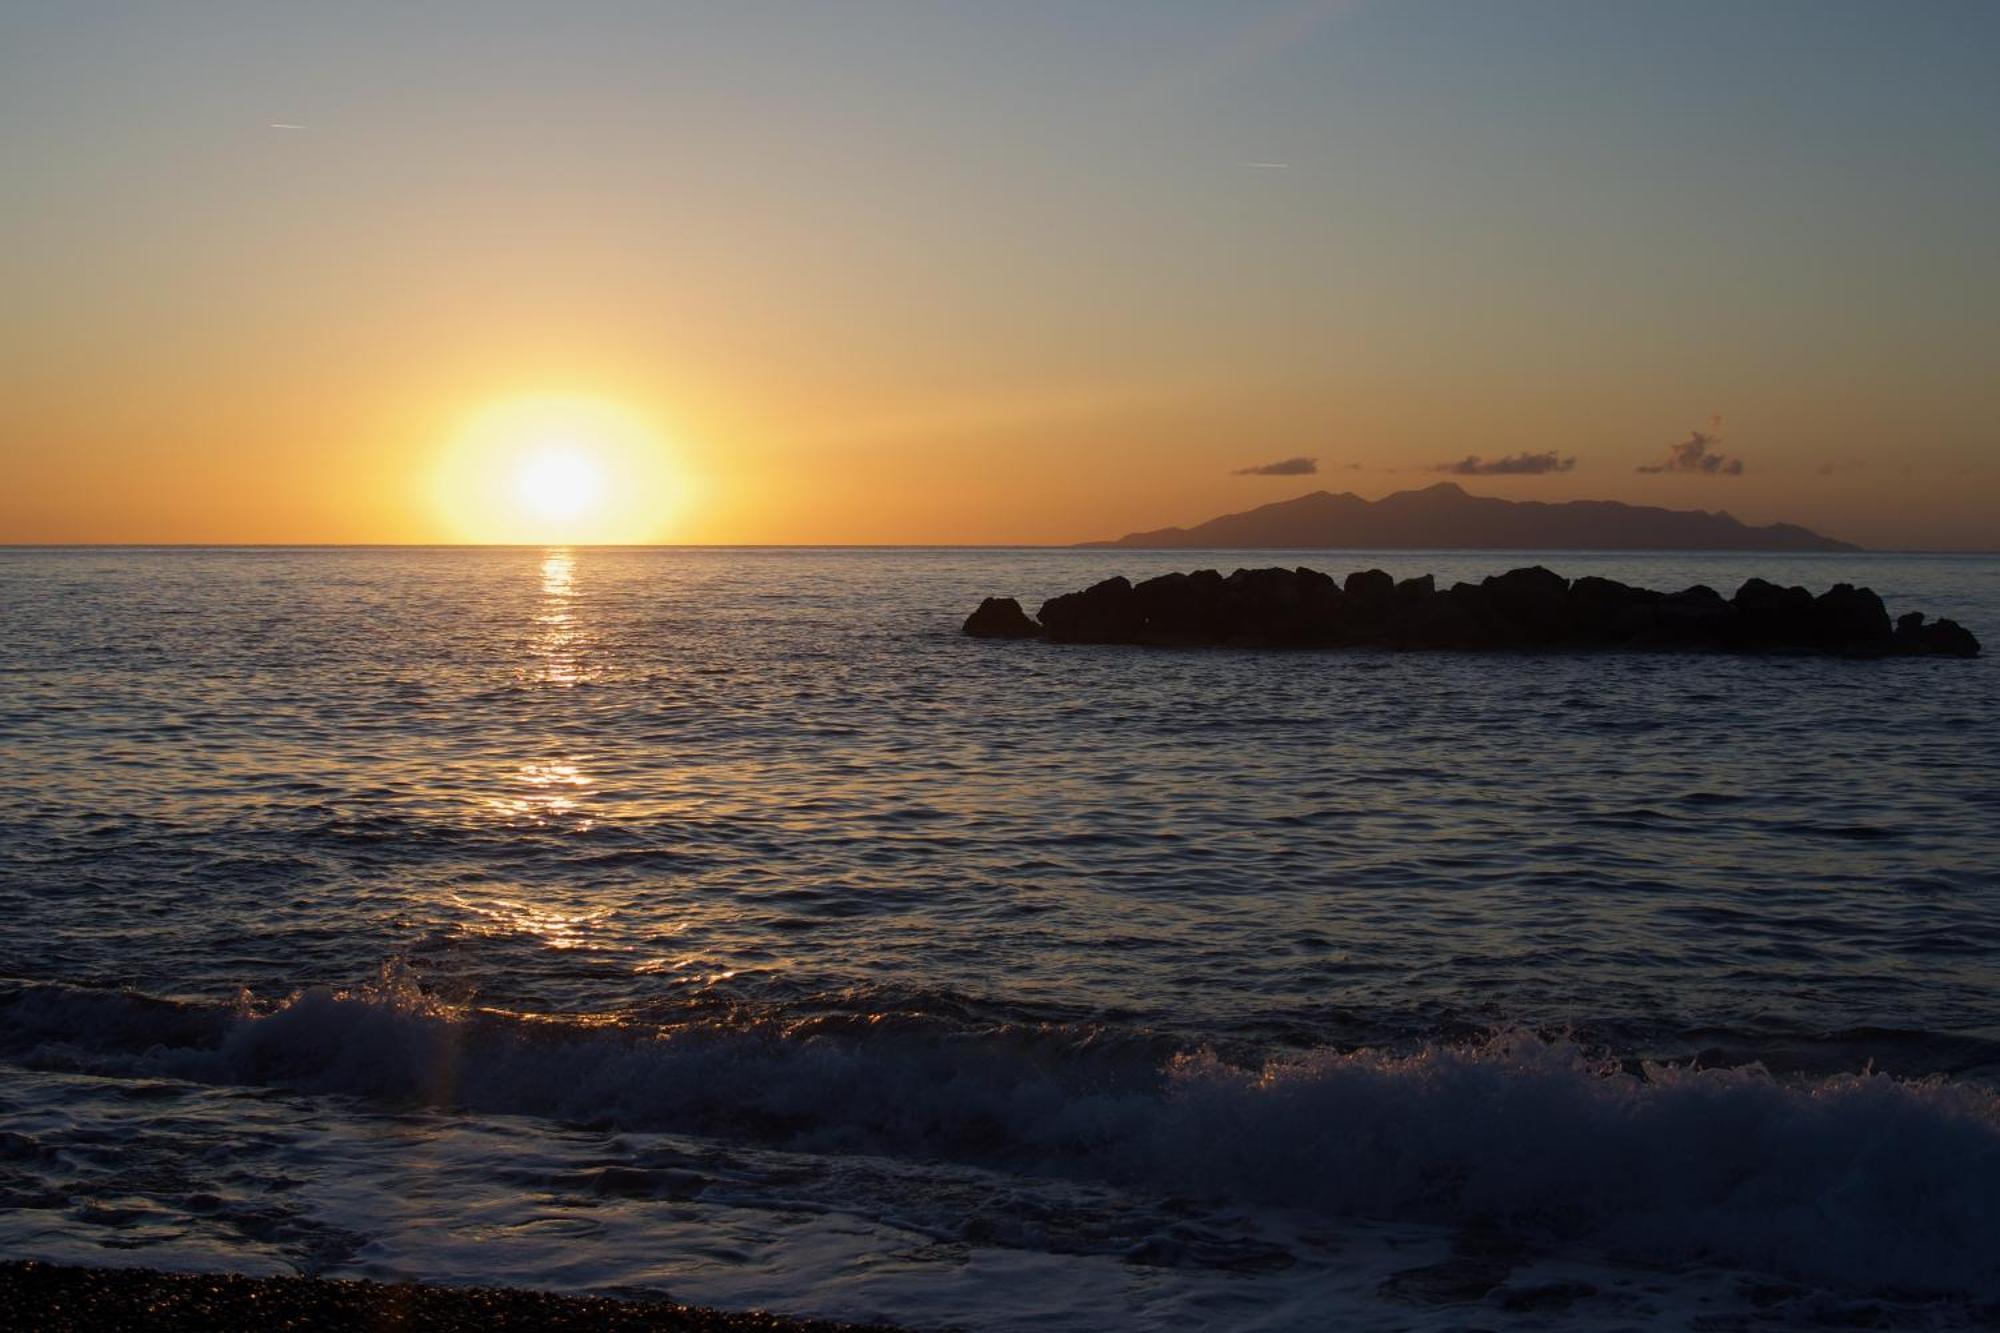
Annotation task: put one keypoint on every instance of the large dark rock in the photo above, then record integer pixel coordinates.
(1001, 618)
(1412, 593)
(1369, 604)
(1767, 615)
(1181, 608)
(1270, 589)
(1450, 619)
(1534, 601)
(1940, 638)
(1319, 613)
(1695, 617)
(1104, 612)
(1607, 611)
(1767, 601)
(1523, 608)
(1280, 608)
(1369, 587)
(1852, 619)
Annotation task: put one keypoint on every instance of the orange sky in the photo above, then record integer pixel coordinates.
(972, 276)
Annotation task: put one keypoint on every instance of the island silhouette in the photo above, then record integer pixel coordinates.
(1446, 516)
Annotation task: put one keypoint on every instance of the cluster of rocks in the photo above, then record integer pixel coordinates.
(1524, 608)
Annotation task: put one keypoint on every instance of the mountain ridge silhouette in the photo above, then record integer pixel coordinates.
(1446, 516)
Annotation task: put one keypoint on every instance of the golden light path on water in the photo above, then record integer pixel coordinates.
(548, 790)
(552, 792)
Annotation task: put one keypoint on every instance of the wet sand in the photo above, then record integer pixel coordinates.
(58, 1298)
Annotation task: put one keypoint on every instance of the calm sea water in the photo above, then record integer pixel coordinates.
(725, 923)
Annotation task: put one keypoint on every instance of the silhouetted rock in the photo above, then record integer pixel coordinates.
(1179, 608)
(1523, 608)
(1534, 601)
(1772, 615)
(1940, 638)
(1948, 638)
(1695, 617)
(1370, 605)
(1449, 619)
(1607, 611)
(1001, 618)
(1370, 587)
(1104, 612)
(1852, 618)
(1412, 592)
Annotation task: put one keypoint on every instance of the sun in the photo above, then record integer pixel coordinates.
(560, 483)
(559, 470)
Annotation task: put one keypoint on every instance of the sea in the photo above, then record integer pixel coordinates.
(723, 925)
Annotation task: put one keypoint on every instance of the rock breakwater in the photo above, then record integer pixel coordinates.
(1531, 608)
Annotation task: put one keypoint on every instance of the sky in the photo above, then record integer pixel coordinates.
(989, 273)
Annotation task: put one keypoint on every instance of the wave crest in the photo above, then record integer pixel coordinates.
(1855, 1181)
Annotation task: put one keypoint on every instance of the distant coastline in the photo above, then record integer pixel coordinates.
(1446, 517)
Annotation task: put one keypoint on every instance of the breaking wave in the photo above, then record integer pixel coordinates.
(1859, 1181)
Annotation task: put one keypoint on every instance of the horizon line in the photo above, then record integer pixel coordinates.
(948, 546)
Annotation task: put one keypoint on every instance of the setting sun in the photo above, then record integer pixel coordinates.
(560, 484)
(558, 469)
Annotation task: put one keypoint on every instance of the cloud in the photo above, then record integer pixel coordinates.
(1513, 465)
(1697, 454)
(1284, 467)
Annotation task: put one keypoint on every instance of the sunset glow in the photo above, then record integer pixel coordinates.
(558, 469)
(872, 283)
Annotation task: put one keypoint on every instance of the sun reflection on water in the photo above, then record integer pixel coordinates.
(498, 916)
(547, 791)
(558, 647)
(552, 788)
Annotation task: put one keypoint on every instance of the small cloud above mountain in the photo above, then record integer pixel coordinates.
(1512, 465)
(1284, 467)
(1697, 454)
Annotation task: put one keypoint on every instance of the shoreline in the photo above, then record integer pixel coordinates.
(68, 1298)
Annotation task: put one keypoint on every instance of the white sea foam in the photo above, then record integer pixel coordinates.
(1859, 1182)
